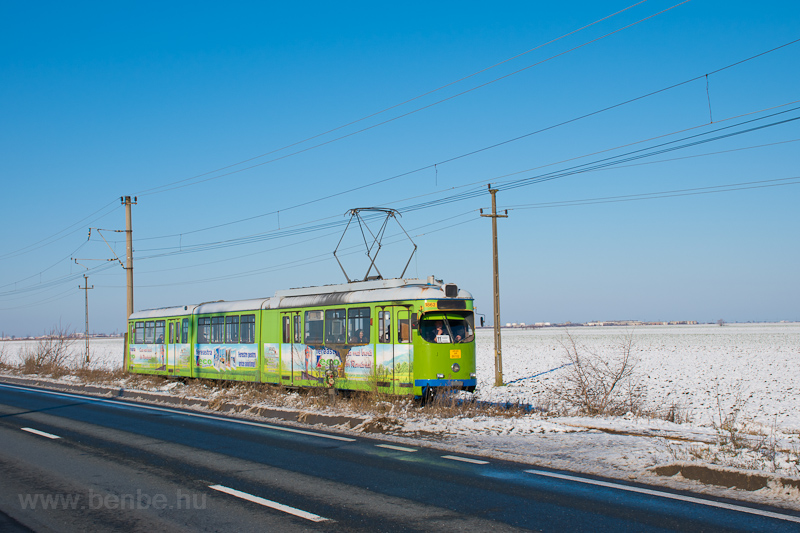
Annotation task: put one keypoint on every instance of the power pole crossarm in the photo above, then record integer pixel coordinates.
(498, 351)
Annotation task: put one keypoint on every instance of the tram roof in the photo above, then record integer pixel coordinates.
(350, 293)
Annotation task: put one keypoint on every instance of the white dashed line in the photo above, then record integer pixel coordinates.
(269, 503)
(465, 459)
(669, 495)
(398, 448)
(40, 433)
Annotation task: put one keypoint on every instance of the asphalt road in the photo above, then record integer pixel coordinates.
(78, 463)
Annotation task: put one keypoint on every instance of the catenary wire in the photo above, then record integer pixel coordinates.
(486, 148)
(384, 110)
(166, 188)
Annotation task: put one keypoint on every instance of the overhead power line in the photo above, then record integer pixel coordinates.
(76, 226)
(474, 190)
(714, 189)
(485, 148)
(186, 182)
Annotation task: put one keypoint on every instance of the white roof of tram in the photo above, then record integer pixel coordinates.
(349, 293)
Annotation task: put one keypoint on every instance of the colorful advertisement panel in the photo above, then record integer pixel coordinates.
(179, 355)
(148, 356)
(358, 363)
(272, 359)
(226, 357)
(395, 361)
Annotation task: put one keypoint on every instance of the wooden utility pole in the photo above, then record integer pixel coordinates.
(86, 288)
(498, 351)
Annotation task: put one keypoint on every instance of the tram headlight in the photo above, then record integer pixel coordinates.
(456, 367)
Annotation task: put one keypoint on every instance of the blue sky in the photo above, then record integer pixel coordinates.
(101, 100)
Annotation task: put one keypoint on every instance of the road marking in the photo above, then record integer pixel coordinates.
(465, 459)
(398, 448)
(184, 413)
(41, 433)
(269, 503)
(669, 495)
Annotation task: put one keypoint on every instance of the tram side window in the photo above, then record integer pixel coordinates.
(138, 335)
(248, 329)
(403, 327)
(149, 332)
(314, 323)
(287, 329)
(335, 332)
(160, 326)
(384, 326)
(297, 329)
(203, 330)
(185, 331)
(232, 329)
(358, 325)
(217, 329)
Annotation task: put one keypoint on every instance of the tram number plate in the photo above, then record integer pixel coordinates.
(430, 304)
(455, 354)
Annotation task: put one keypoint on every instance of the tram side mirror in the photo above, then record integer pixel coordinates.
(483, 321)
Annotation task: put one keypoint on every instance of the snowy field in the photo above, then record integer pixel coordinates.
(683, 365)
(689, 366)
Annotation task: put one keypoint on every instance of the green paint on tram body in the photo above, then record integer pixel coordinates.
(397, 336)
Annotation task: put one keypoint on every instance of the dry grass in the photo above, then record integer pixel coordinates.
(3, 354)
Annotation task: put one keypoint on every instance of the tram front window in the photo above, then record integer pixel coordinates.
(446, 329)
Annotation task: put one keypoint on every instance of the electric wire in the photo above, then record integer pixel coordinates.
(760, 184)
(477, 191)
(166, 188)
(492, 146)
(305, 261)
(55, 237)
(384, 110)
(451, 199)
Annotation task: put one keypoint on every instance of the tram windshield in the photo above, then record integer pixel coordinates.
(447, 328)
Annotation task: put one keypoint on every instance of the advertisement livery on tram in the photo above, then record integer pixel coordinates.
(401, 336)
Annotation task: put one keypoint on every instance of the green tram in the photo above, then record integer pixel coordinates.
(403, 336)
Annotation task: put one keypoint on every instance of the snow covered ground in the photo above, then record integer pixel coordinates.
(699, 368)
(685, 365)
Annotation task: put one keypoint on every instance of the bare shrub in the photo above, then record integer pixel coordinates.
(51, 353)
(3, 353)
(595, 384)
(727, 421)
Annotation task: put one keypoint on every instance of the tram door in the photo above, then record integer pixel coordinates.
(173, 344)
(394, 348)
(291, 331)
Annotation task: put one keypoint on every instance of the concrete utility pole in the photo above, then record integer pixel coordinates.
(86, 288)
(498, 351)
(129, 270)
(129, 251)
